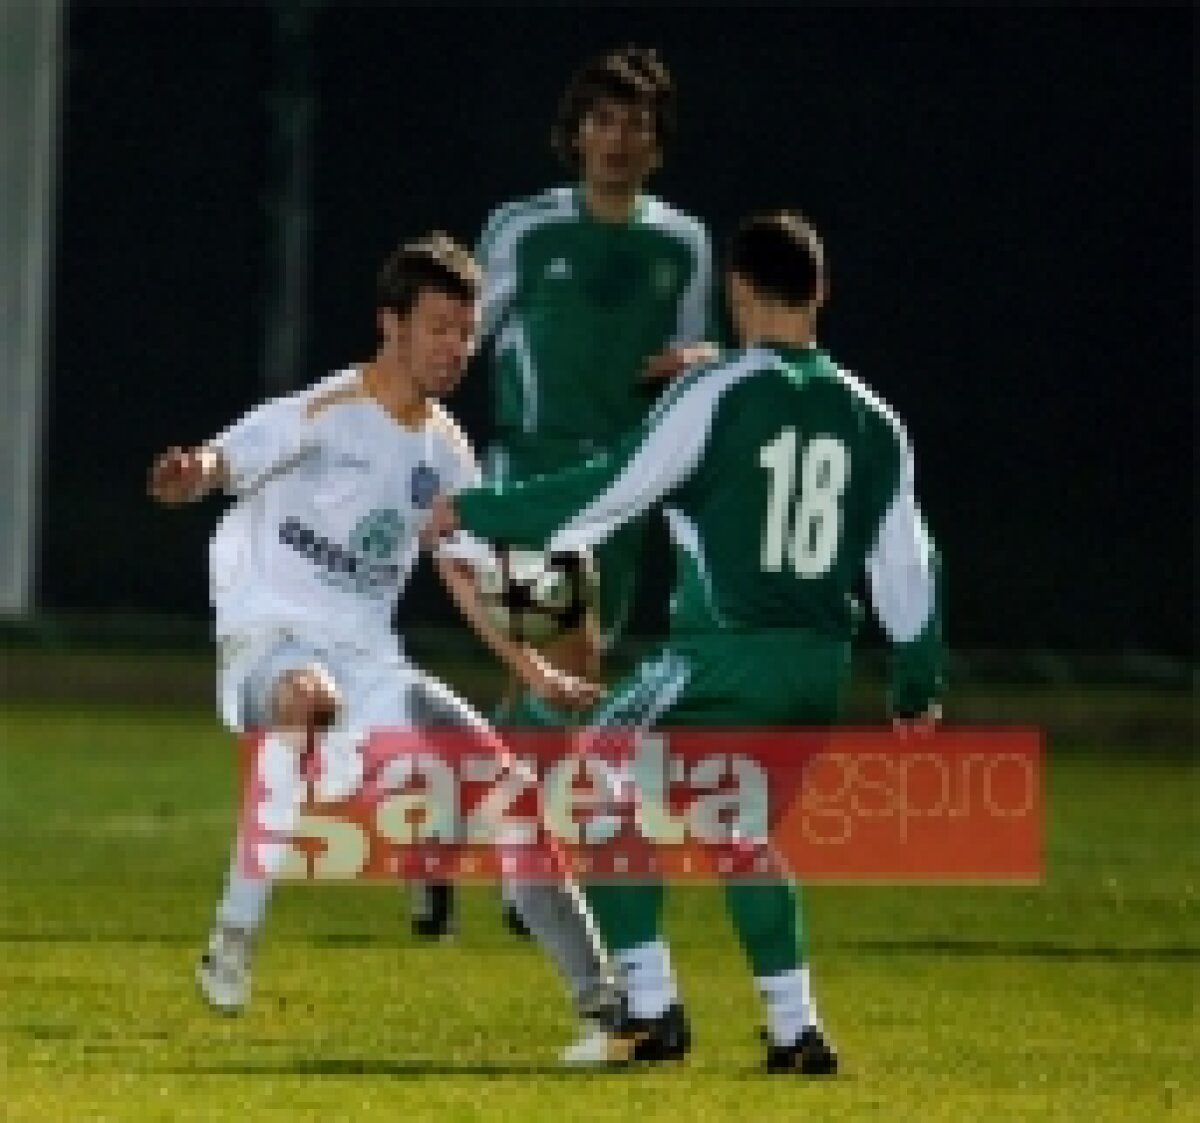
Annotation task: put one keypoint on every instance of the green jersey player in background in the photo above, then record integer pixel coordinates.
(594, 293)
(784, 480)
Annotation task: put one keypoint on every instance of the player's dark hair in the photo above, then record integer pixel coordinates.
(635, 75)
(780, 254)
(435, 262)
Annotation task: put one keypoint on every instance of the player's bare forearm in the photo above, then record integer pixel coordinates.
(183, 475)
(459, 581)
(523, 661)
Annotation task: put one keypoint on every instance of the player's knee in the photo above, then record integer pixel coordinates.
(305, 699)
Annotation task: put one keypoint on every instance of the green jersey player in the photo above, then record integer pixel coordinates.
(784, 481)
(594, 293)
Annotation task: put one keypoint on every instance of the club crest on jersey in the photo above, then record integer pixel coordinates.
(664, 276)
(377, 534)
(424, 485)
(558, 270)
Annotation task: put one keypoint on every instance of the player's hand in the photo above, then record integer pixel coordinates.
(181, 475)
(555, 686)
(667, 364)
(923, 725)
(442, 521)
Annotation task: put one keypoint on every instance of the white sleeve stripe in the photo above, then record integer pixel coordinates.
(900, 566)
(686, 535)
(513, 339)
(500, 266)
(692, 324)
(669, 452)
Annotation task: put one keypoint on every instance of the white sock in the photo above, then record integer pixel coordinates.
(244, 901)
(790, 1006)
(649, 981)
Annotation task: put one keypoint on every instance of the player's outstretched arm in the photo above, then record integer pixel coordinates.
(583, 505)
(541, 677)
(183, 475)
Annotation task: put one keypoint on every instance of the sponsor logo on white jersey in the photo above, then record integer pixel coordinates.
(349, 460)
(366, 565)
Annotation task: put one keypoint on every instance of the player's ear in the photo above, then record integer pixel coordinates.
(389, 325)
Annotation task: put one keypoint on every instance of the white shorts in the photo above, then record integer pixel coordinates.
(377, 689)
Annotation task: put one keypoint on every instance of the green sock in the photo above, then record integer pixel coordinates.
(766, 918)
(628, 914)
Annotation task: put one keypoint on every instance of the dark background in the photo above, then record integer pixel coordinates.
(1006, 197)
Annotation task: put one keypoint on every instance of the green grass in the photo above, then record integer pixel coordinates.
(1072, 1000)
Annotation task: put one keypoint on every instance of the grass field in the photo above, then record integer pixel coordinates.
(1072, 1000)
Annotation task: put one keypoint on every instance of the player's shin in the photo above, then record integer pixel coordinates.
(765, 915)
(558, 918)
(223, 973)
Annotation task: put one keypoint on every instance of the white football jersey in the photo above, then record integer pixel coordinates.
(332, 493)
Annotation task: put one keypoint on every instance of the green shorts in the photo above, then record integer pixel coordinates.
(747, 678)
(617, 560)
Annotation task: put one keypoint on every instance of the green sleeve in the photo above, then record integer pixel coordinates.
(917, 670)
(584, 505)
(528, 512)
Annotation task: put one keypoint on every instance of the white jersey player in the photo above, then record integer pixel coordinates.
(333, 486)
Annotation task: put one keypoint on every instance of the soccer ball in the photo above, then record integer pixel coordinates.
(533, 597)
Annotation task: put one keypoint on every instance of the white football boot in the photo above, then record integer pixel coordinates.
(600, 1042)
(223, 973)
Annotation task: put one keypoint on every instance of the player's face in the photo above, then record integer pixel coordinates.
(617, 144)
(435, 340)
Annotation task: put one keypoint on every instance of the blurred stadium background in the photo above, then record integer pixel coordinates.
(196, 196)
(200, 194)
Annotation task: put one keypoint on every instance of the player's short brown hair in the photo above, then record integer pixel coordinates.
(630, 74)
(435, 262)
(780, 255)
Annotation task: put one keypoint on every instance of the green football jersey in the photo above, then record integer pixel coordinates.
(783, 480)
(575, 306)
